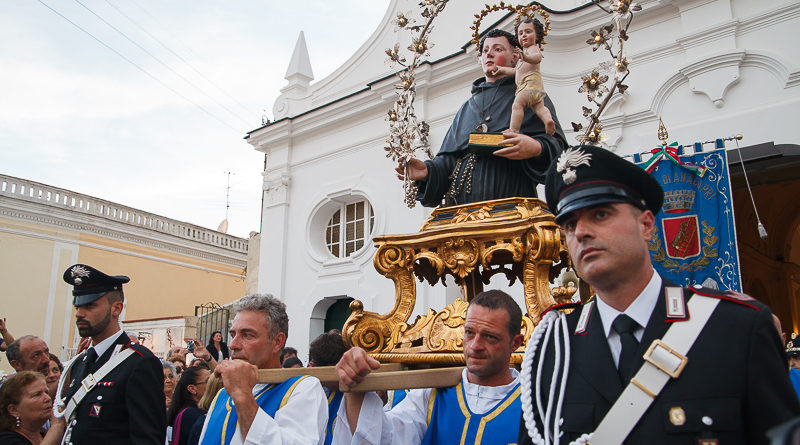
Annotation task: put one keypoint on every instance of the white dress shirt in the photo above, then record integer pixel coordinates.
(301, 421)
(103, 346)
(640, 311)
(406, 423)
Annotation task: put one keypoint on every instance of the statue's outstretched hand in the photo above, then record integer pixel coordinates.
(416, 169)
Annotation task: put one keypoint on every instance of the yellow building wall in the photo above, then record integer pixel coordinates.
(35, 300)
(163, 284)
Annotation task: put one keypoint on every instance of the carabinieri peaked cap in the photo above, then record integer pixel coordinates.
(586, 175)
(91, 284)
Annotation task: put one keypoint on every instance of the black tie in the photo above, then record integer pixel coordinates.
(624, 326)
(91, 358)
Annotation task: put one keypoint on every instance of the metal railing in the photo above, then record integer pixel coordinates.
(211, 317)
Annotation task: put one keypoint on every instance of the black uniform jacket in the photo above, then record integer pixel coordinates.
(736, 375)
(127, 406)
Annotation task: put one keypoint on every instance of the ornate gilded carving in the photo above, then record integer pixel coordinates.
(441, 331)
(515, 237)
(460, 255)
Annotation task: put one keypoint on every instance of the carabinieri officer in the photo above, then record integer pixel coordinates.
(645, 361)
(113, 391)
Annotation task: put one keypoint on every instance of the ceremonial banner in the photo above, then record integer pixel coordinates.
(695, 237)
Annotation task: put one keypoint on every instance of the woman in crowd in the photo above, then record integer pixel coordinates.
(53, 375)
(213, 386)
(183, 412)
(170, 377)
(25, 406)
(217, 347)
(179, 363)
(199, 362)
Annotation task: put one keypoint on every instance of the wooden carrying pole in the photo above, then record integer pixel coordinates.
(416, 378)
(325, 374)
(388, 376)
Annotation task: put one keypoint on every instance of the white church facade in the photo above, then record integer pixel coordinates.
(707, 68)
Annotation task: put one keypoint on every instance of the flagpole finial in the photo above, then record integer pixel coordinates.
(662, 132)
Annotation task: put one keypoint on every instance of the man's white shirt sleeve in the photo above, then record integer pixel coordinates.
(301, 421)
(406, 423)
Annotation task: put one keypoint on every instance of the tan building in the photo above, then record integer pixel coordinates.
(173, 266)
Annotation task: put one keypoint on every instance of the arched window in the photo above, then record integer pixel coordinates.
(348, 228)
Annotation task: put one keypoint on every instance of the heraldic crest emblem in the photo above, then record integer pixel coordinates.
(569, 160)
(77, 273)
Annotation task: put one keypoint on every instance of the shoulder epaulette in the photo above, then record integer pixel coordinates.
(135, 347)
(736, 297)
(560, 307)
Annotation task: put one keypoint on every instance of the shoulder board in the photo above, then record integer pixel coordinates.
(139, 349)
(736, 297)
(559, 307)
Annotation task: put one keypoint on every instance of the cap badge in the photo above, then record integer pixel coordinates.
(569, 160)
(77, 273)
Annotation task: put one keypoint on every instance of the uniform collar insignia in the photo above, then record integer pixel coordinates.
(676, 306)
(77, 273)
(570, 159)
(583, 320)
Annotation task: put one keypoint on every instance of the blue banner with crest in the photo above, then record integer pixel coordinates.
(695, 237)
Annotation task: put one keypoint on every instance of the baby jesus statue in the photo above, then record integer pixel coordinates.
(530, 90)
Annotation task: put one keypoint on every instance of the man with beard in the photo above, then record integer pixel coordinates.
(484, 407)
(29, 353)
(114, 389)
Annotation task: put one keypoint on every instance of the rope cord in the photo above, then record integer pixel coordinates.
(550, 431)
(544, 328)
(762, 232)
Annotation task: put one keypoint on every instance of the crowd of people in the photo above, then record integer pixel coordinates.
(213, 402)
(643, 361)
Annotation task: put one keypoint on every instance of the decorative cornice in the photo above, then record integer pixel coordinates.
(40, 201)
(55, 222)
(84, 222)
(118, 250)
(769, 18)
(710, 34)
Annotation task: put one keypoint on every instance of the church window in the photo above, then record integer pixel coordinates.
(348, 228)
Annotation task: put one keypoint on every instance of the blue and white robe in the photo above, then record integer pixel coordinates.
(451, 421)
(223, 419)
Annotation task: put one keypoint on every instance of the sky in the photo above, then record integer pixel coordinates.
(147, 105)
